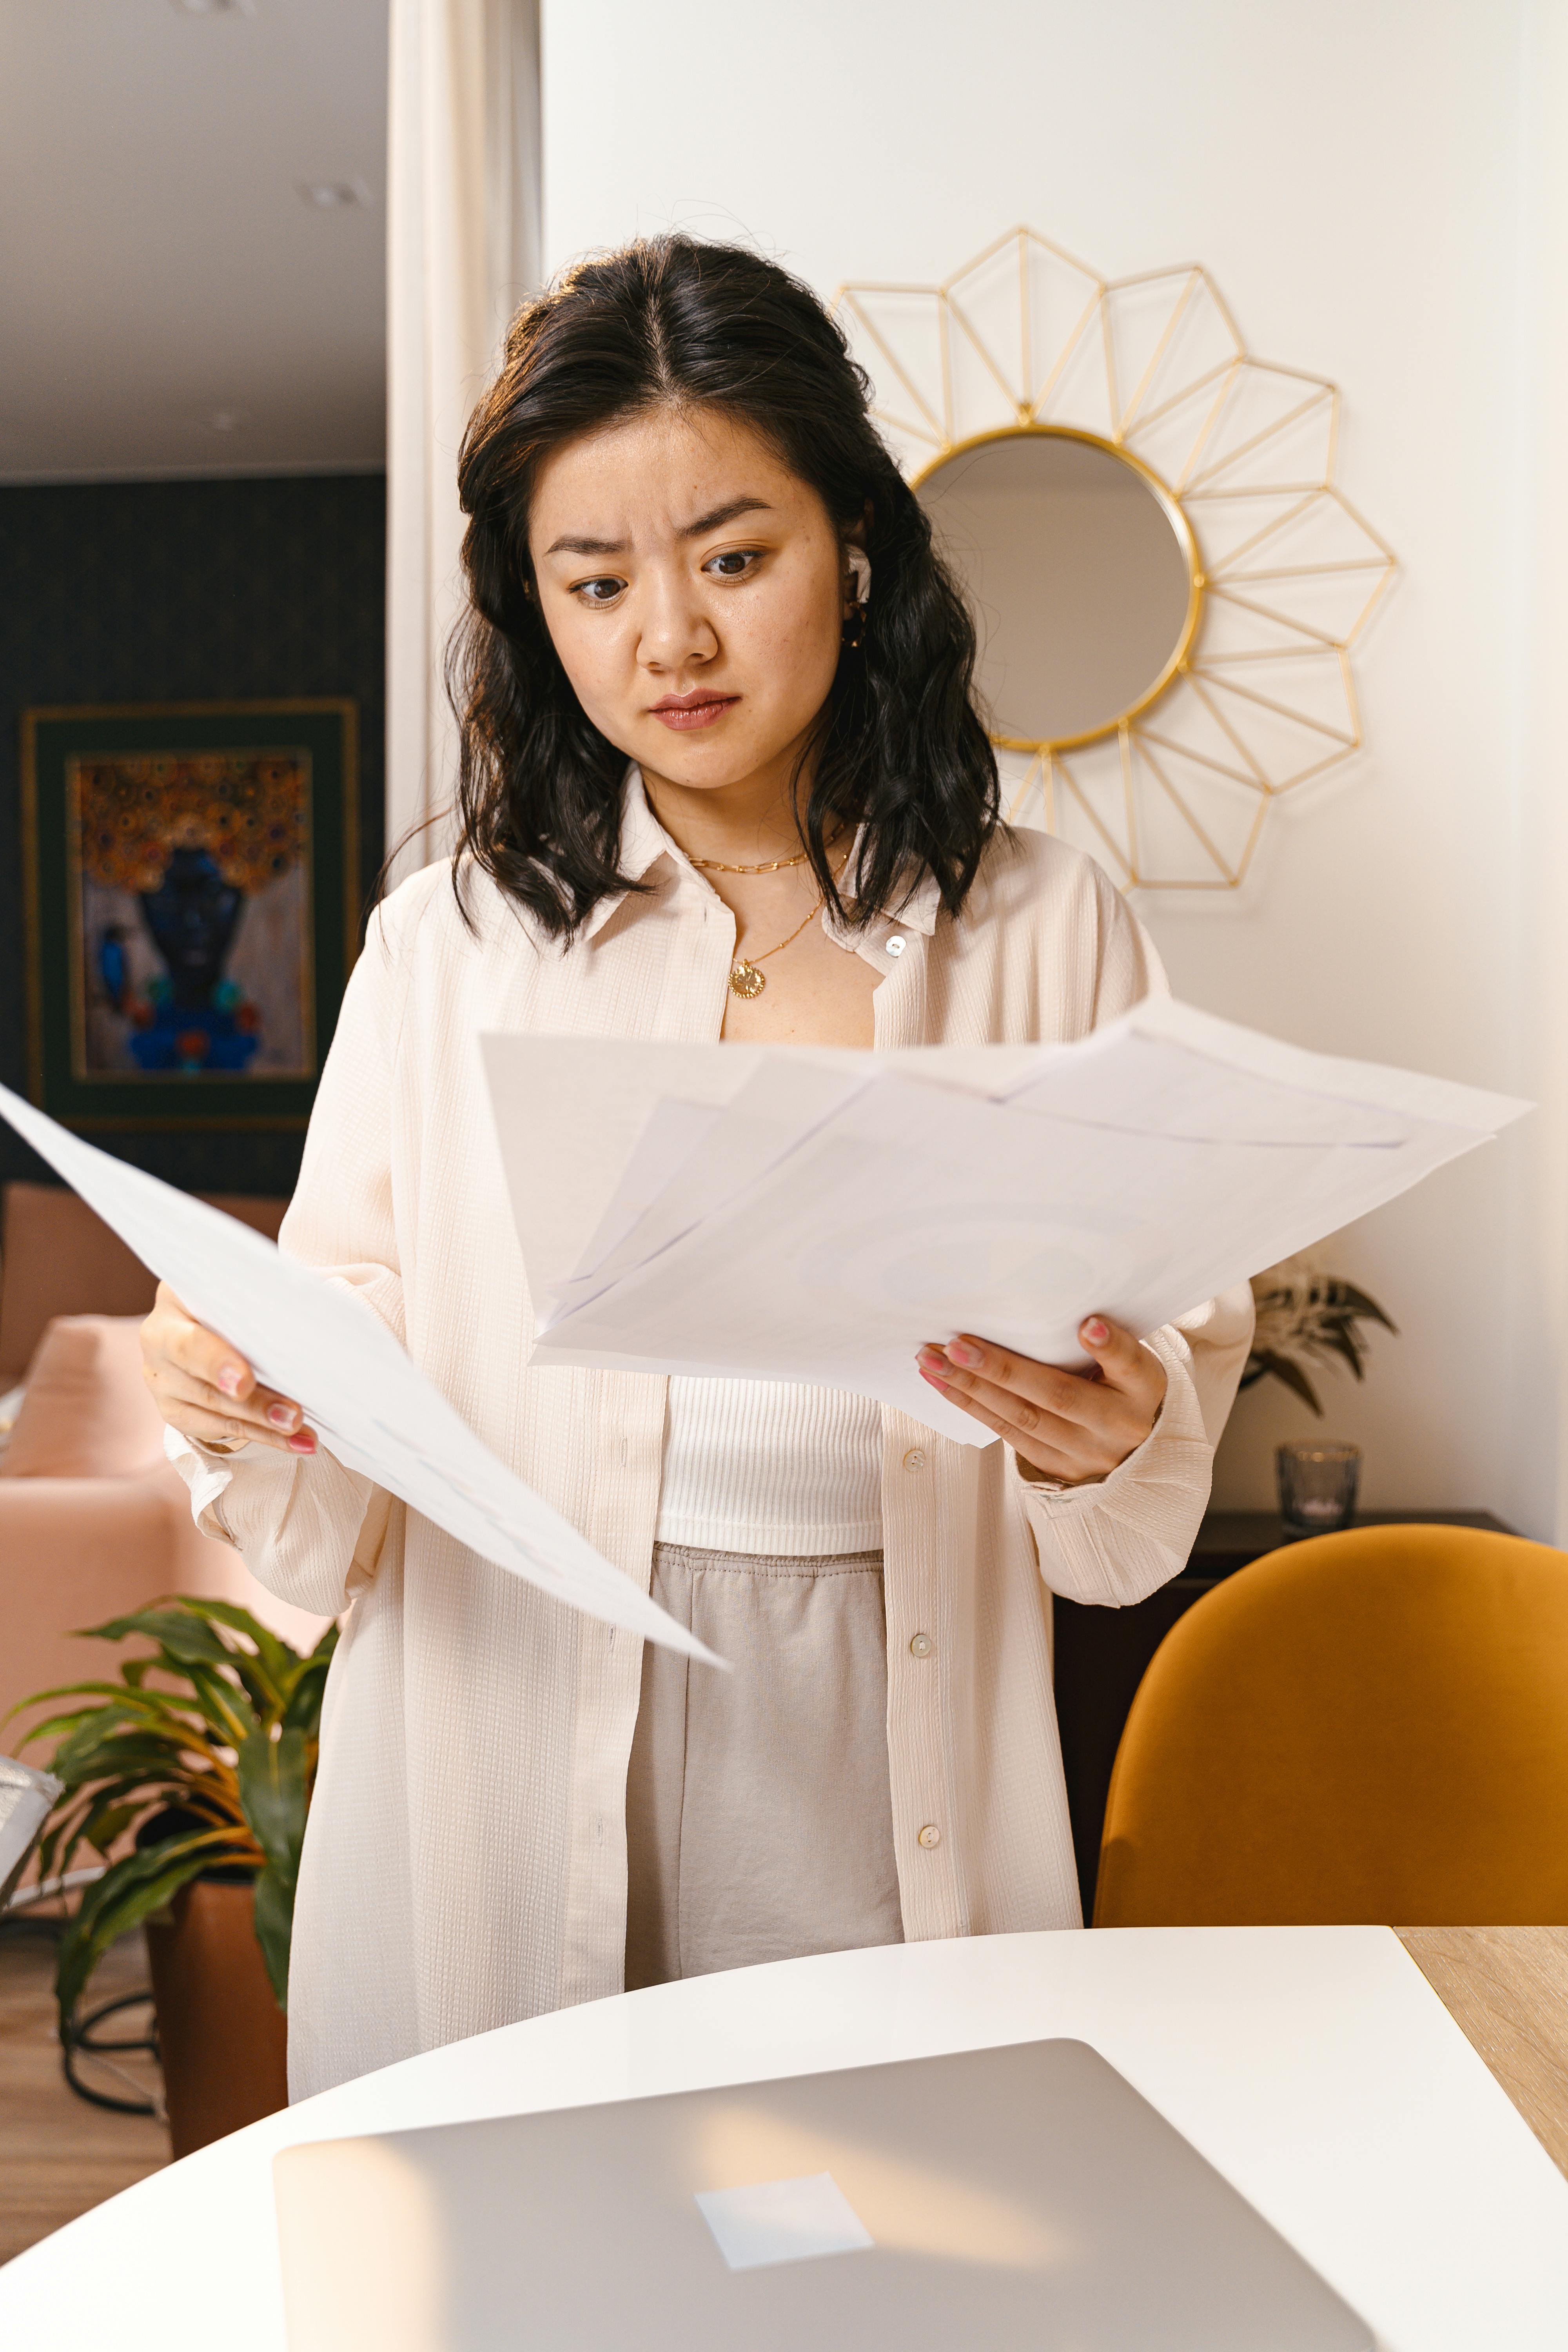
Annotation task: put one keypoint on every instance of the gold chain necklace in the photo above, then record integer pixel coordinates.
(775, 866)
(745, 979)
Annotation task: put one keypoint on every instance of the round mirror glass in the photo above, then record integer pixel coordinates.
(1078, 571)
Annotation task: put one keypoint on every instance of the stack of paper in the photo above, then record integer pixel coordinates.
(364, 1396)
(810, 1216)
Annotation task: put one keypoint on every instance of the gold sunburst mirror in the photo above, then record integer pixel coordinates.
(1084, 570)
(1167, 583)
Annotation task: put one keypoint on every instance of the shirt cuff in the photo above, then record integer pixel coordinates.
(208, 1471)
(1178, 1416)
(1115, 1539)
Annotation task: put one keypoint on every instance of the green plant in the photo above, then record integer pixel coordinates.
(213, 1736)
(1307, 1317)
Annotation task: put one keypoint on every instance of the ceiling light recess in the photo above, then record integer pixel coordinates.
(333, 195)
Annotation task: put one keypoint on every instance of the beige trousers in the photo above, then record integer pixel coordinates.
(759, 1815)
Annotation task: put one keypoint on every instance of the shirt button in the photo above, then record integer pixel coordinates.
(896, 944)
(921, 1645)
(915, 1458)
(931, 1835)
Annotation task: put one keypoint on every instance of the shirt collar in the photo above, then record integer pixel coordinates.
(644, 842)
(918, 914)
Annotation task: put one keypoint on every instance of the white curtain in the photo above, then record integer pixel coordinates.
(463, 250)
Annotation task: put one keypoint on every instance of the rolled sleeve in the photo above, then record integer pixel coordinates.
(208, 1473)
(1114, 1540)
(308, 1529)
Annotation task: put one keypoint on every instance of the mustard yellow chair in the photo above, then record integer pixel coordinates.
(1365, 1727)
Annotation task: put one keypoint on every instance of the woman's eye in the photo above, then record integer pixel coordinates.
(598, 592)
(733, 565)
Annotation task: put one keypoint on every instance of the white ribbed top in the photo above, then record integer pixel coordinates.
(771, 1466)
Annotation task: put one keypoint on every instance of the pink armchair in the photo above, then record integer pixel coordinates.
(94, 1521)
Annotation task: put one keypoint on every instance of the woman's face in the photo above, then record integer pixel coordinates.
(695, 591)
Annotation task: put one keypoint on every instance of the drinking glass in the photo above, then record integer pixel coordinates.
(1318, 1486)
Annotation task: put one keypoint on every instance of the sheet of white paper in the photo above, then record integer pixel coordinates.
(1157, 1086)
(361, 1390)
(780, 1105)
(1165, 1068)
(1185, 1155)
(571, 1111)
(674, 1134)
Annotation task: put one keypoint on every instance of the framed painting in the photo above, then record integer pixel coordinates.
(192, 889)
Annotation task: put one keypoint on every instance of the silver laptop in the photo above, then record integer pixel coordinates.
(1025, 2198)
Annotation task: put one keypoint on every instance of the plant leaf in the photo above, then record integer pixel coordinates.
(277, 1657)
(1285, 1369)
(59, 1724)
(120, 1900)
(61, 1836)
(105, 1823)
(275, 1928)
(1338, 1338)
(223, 1706)
(1367, 1308)
(131, 1700)
(92, 1753)
(303, 1712)
(187, 1638)
(273, 1791)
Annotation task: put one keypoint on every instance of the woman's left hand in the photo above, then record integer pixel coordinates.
(1065, 1425)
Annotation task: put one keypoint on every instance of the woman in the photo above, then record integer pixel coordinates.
(722, 778)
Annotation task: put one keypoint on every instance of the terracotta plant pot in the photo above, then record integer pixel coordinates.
(221, 2034)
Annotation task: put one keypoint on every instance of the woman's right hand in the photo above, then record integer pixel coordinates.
(205, 1389)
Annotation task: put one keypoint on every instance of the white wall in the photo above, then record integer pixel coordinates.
(1373, 183)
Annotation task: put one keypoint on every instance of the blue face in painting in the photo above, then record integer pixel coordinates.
(198, 1022)
(193, 915)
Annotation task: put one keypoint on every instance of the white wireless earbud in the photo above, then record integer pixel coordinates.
(861, 565)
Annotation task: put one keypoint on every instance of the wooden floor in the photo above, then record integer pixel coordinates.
(58, 2156)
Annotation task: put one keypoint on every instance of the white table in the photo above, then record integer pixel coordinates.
(1314, 2066)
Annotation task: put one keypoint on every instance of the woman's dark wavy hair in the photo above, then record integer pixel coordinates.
(674, 322)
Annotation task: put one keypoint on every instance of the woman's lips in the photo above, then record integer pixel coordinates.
(682, 717)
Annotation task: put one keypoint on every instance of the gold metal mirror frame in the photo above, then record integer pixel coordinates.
(1181, 530)
(1286, 573)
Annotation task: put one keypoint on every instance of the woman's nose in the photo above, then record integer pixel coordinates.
(676, 630)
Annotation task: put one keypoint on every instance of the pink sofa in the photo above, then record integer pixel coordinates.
(94, 1521)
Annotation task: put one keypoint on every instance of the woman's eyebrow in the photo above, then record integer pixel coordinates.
(571, 545)
(726, 513)
(568, 545)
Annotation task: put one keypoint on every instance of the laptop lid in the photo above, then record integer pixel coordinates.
(1024, 2196)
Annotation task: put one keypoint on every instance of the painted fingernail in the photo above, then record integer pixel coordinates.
(283, 1416)
(932, 1356)
(959, 1351)
(931, 1381)
(302, 1442)
(1096, 1331)
(229, 1379)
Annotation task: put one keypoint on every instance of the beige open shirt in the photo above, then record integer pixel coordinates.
(467, 1863)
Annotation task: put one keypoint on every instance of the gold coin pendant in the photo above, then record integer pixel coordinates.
(746, 980)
